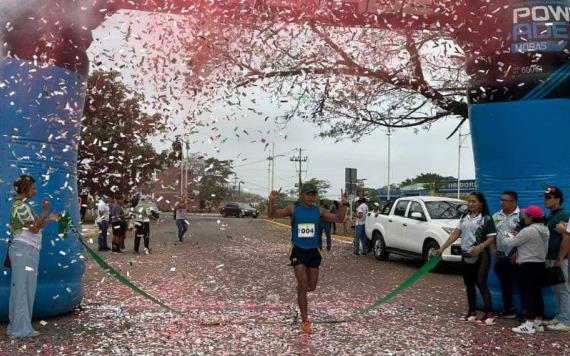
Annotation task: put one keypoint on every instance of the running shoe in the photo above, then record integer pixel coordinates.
(558, 327)
(469, 318)
(306, 326)
(528, 327)
(507, 314)
(550, 322)
(487, 320)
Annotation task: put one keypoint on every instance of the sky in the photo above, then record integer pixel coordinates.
(247, 139)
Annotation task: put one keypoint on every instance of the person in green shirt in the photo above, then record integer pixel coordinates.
(24, 253)
(557, 256)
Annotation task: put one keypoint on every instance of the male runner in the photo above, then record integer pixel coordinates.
(304, 254)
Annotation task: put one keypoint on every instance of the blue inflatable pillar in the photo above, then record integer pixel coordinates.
(40, 112)
(520, 106)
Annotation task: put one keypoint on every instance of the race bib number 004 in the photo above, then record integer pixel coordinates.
(306, 231)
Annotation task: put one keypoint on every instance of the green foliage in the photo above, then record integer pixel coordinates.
(213, 182)
(322, 185)
(432, 181)
(114, 156)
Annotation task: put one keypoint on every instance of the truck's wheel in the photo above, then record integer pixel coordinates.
(379, 246)
(429, 251)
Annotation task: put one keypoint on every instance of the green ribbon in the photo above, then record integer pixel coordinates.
(407, 283)
(66, 223)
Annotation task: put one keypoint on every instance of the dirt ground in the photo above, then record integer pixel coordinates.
(233, 293)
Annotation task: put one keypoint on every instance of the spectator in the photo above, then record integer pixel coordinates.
(359, 233)
(324, 226)
(83, 204)
(532, 244)
(477, 231)
(334, 209)
(143, 212)
(556, 256)
(181, 216)
(24, 254)
(103, 223)
(118, 225)
(506, 220)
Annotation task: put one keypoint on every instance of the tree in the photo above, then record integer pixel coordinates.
(115, 157)
(432, 181)
(322, 185)
(346, 80)
(213, 180)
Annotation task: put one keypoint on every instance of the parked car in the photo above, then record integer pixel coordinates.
(239, 210)
(416, 227)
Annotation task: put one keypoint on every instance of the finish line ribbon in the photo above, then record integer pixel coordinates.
(66, 223)
(407, 283)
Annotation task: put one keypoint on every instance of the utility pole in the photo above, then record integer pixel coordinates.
(388, 190)
(235, 184)
(272, 165)
(186, 164)
(299, 159)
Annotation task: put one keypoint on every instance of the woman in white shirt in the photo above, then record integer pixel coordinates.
(24, 253)
(478, 232)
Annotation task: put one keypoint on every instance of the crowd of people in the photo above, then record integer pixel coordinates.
(529, 247)
(136, 217)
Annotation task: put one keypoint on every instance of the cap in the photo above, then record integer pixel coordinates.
(533, 211)
(308, 188)
(554, 192)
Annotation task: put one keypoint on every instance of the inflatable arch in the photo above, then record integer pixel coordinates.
(518, 102)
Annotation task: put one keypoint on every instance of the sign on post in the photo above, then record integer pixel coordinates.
(350, 181)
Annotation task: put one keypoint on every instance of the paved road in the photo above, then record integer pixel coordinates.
(234, 290)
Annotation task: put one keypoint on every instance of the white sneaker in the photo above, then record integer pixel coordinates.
(469, 318)
(527, 327)
(550, 322)
(558, 327)
(146, 251)
(538, 325)
(486, 321)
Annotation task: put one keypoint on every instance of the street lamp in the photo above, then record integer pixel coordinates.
(271, 169)
(389, 134)
(461, 138)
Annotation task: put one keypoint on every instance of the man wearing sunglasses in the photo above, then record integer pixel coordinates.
(556, 256)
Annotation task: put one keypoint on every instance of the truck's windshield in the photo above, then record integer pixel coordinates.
(445, 209)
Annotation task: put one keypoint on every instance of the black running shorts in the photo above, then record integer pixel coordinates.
(309, 258)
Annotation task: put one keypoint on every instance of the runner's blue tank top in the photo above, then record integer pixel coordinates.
(304, 226)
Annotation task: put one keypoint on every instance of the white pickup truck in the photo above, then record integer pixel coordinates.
(415, 227)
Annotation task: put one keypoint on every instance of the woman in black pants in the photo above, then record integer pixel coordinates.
(478, 232)
(532, 245)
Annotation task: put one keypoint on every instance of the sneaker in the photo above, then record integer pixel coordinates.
(538, 325)
(558, 327)
(469, 318)
(528, 327)
(306, 326)
(550, 322)
(486, 320)
(34, 334)
(507, 314)
(146, 251)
